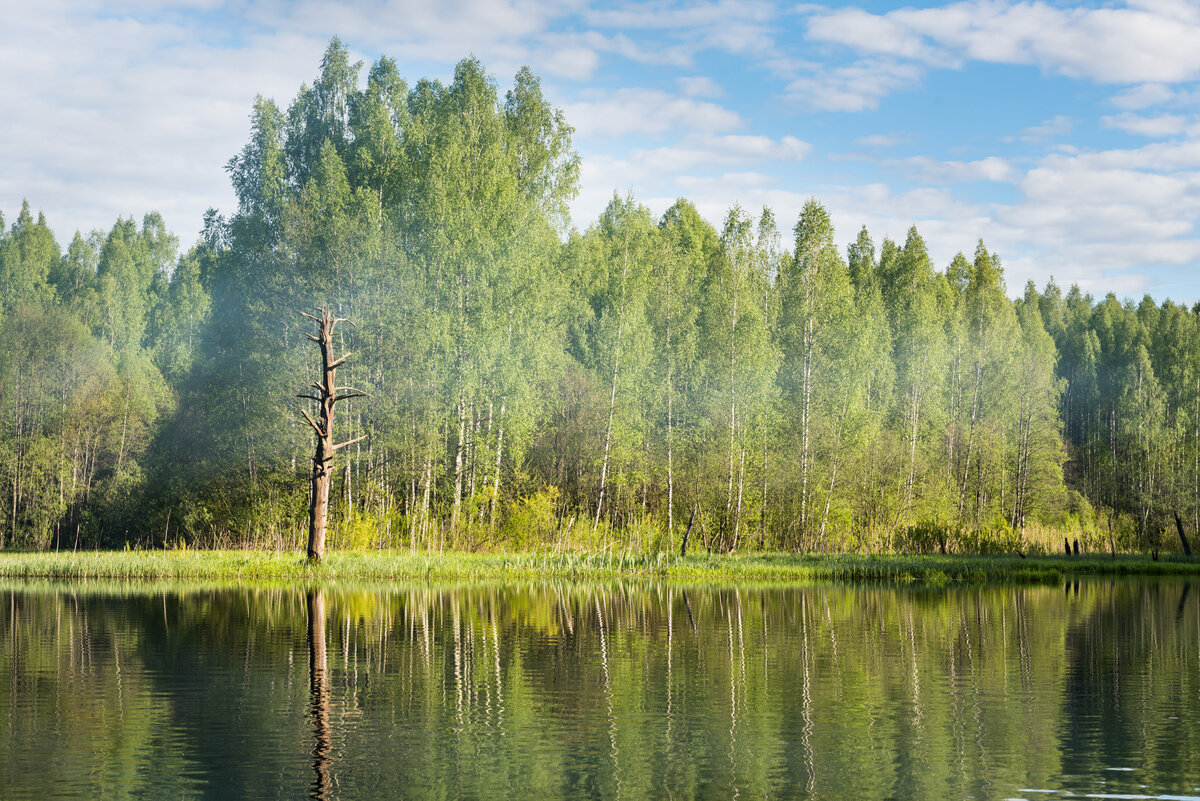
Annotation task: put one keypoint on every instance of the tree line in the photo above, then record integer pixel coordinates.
(533, 385)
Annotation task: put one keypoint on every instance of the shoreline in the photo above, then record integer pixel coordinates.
(784, 568)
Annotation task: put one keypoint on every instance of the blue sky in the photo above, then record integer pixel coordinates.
(1065, 135)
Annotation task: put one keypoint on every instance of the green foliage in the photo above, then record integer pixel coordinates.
(533, 384)
(531, 520)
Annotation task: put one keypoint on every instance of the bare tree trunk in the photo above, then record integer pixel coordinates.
(670, 412)
(733, 321)
(487, 433)
(737, 518)
(496, 476)
(458, 464)
(912, 456)
(612, 400)
(962, 489)
(833, 468)
(327, 397)
(806, 417)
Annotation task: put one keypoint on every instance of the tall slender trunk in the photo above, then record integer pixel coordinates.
(459, 460)
(612, 398)
(426, 496)
(487, 432)
(962, 490)
(733, 321)
(762, 510)
(912, 455)
(805, 418)
(1196, 460)
(833, 468)
(460, 360)
(737, 517)
(670, 409)
(496, 473)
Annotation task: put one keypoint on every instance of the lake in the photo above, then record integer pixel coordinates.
(637, 690)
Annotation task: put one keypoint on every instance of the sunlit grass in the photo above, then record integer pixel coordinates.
(405, 566)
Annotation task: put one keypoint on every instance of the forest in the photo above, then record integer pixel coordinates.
(761, 385)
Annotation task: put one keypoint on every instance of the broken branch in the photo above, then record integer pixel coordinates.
(316, 427)
(349, 442)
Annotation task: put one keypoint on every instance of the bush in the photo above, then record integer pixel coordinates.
(531, 519)
(926, 536)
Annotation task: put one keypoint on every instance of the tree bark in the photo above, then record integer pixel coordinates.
(327, 398)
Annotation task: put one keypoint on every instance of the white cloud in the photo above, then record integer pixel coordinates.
(1059, 125)
(449, 29)
(1160, 157)
(578, 63)
(1139, 43)
(1098, 218)
(740, 27)
(929, 170)
(855, 87)
(1142, 96)
(693, 164)
(703, 153)
(656, 54)
(1157, 127)
(865, 32)
(880, 140)
(647, 111)
(667, 16)
(699, 86)
(113, 116)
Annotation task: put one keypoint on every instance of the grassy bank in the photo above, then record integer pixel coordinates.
(395, 566)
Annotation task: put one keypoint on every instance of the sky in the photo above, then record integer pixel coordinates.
(1066, 136)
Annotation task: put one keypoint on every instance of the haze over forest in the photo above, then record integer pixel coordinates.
(789, 385)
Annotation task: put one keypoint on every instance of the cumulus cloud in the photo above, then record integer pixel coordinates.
(112, 116)
(1100, 218)
(119, 107)
(1138, 43)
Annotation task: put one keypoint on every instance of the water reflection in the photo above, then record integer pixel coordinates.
(318, 689)
(600, 691)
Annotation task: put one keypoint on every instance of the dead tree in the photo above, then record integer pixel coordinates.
(327, 398)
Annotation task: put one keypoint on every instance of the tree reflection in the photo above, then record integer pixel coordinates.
(318, 688)
(565, 690)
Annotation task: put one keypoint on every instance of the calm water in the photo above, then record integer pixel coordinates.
(601, 691)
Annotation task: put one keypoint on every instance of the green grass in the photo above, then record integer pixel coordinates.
(401, 566)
